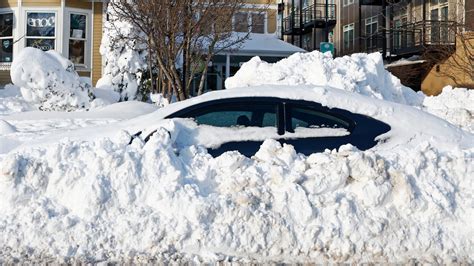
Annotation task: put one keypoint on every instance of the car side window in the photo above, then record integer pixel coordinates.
(310, 118)
(236, 115)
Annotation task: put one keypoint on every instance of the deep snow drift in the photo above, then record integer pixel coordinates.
(94, 197)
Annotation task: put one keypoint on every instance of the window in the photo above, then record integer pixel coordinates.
(308, 118)
(77, 38)
(253, 22)
(371, 27)
(439, 26)
(6, 37)
(258, 23)
(348, 36)
(236, 115)
(241, 22)
(348, 2)
(41, 30)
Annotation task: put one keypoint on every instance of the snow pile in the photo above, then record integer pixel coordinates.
(11, 101)
(107, 201)
(361, 73)
(49, 80)
(455, 105)
(6, 128)
(125, 58)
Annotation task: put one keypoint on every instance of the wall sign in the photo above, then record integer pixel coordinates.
(41, 22)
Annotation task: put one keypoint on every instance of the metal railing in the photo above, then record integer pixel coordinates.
(413, 36)
(309, 15)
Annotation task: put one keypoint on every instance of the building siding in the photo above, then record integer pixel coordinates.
(8, 3)
(96, 41)
(79, 4)
(5, 77)
(40, 3)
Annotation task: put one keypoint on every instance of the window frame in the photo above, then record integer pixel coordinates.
(57, 21)
(350, 27)
(201, 108)
(12, 37)
(370, 22)
(290, 105)
(250, 21)
(88, 37)
(283, 110)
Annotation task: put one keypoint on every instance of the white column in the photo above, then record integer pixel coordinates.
(227, 65)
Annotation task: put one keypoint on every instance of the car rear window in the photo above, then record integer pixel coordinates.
(310, 118)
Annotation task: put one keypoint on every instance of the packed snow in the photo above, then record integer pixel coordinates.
(89, 195)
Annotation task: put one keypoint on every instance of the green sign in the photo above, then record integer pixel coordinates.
(326, 47)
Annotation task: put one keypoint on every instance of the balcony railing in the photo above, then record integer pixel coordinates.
(316, 15)
(413, 37)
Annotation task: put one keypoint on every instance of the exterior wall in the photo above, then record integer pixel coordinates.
(435, 81)
(92, 66)
(79, 4)
(469, 15)
(41, 3)
(8, 3)
(350, 15)
(5, 77)
(97, 18)
(271, 21)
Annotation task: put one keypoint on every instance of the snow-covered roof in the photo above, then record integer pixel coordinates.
(264, 45)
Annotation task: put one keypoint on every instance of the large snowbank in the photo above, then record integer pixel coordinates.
(456, 105)
(109, 201)
(49, 80)
(361, 73)
(104, 199)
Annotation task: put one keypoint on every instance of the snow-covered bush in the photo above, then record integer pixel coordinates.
(49, 81)
(125, 59)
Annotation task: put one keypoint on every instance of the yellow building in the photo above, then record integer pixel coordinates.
(71, 27)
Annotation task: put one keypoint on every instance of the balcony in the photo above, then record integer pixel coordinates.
(414, 38)
(313, 16)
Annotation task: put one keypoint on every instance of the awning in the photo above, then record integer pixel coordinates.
(263, 45)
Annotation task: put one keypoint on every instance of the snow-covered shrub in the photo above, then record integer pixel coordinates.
(125, 58)
(49, 80)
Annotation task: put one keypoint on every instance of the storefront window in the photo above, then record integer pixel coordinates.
(41, 30)
(6, 37)
(77, 38)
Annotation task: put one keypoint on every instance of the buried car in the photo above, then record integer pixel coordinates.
(242, 122)
(311, 118)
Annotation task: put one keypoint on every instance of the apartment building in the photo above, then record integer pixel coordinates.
(307, 23)
(403, 29)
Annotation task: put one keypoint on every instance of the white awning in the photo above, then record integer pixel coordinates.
(263, 45)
